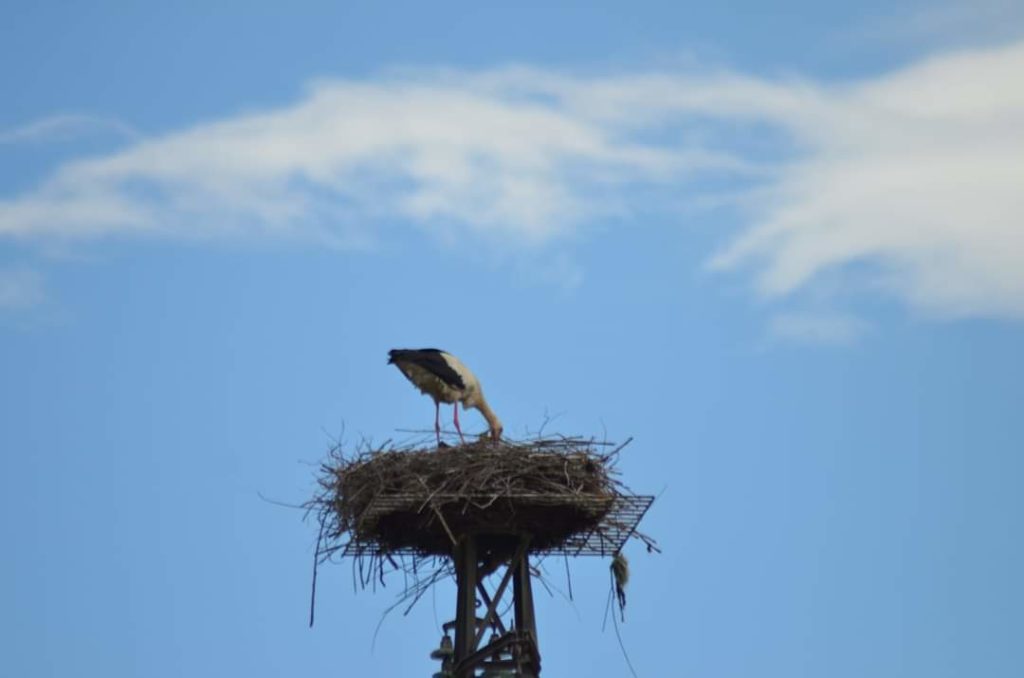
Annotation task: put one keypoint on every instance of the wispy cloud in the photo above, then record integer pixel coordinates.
(442, 155)
(914, 178)
(917, 177)
(946, 22)
(20, 288)
(63, 127)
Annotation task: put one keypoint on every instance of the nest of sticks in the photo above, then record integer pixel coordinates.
(417, 501)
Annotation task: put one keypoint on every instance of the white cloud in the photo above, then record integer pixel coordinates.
(919, 175)
(20, 288)
(945, 22)
(64, 126)
(435, 154)
(914, 178)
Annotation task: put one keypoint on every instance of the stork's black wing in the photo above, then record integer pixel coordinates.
(430, 359)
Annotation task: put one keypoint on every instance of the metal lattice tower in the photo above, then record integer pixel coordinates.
(513, 649)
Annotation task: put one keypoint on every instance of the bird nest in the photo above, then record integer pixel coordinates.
(561, 493)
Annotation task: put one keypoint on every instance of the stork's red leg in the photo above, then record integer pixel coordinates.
(457, 428)
(437, 421)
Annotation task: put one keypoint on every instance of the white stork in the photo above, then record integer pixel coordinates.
(444, 378)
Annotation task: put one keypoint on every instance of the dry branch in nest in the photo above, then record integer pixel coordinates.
(417, 502)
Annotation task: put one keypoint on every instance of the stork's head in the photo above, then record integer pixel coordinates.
(493, 422)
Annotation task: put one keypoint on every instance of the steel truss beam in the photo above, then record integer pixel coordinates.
(512, 649)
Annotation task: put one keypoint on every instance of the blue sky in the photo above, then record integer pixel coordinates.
(780, 246)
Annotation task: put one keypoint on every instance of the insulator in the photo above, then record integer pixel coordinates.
(445, 650)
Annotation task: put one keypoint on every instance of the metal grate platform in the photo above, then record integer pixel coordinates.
(613, 518)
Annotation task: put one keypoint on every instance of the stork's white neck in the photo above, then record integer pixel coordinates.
(490, 416)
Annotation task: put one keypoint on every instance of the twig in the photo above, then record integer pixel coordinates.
(316, 561)
(444, 523)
